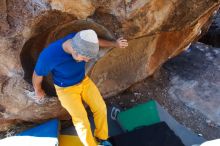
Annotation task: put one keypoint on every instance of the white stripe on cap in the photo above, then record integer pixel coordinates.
(89, 35)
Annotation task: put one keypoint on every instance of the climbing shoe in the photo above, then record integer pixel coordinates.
(104, 143)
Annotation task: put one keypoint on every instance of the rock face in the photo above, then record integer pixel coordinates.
(156, 30)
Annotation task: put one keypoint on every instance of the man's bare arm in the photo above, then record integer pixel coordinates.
(37, 81)
(106, 43)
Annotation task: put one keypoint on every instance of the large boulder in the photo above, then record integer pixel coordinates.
(156, 31)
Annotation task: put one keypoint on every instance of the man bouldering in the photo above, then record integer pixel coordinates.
(65, 59)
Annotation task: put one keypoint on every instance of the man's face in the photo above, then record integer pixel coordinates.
(74, 54)
(79, 57)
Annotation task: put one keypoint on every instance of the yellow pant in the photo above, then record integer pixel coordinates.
(71, 99)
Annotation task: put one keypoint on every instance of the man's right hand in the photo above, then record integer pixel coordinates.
(40, 94)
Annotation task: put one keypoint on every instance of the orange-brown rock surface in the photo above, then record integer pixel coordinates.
(156, 31)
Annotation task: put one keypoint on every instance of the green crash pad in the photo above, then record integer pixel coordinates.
(138, 116)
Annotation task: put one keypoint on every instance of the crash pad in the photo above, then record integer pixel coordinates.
(46, 129)
(69, 140)
(45, 134)
(158, 134)
(113, 126)
(187, 136)
(140, 115)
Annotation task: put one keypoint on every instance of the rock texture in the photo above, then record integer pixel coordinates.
(156, 30)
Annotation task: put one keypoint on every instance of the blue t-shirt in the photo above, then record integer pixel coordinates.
(65, 70)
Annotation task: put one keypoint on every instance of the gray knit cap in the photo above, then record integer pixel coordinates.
(86, 43)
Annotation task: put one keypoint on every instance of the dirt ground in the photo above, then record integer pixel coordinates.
(194, 66)
(188, 117)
